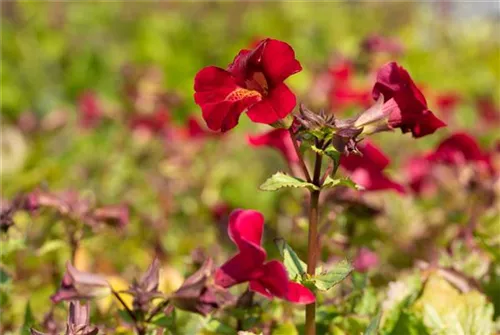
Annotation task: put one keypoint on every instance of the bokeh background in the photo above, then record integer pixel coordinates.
(96, 98)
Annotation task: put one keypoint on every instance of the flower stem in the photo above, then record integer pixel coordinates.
(138, 327)
(303, 165)
(313, 243)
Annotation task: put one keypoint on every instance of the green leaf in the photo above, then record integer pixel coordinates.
(285, 329)
(374, 324)
(164, 321)
(29, 320)
(217, 327)
(327, 280)
(331, 183)
(317, 150)
(4, 277)
(51, 245)
(295, 267)
(125, 316)
(333, 154)
(409, 324)
(280, 180)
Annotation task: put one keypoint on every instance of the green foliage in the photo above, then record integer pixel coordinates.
(374, 324)
(280, 180)
(327, 280)
(295, 267)
(331, 183)
(29, 320)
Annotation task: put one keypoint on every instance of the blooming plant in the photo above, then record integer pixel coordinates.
(283, 193)
(253, 83)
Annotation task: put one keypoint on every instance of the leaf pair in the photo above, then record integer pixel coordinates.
(322, 280)
(281, 180)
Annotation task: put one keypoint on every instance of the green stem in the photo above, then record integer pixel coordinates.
(138, 327)
(313, 243)
(303, 165)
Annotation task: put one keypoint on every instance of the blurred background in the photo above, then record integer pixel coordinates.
(97, 98)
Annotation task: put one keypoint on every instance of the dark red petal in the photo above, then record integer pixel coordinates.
(375, 155)
(375, 180)
(418, 171)
(458, 148)
(240, 268)
(366, 169)
(299, 294)
(278, 139)
(273, 278)
(371, 157)
(394, 82)
(246, 227)
(426, 124)
(256, 286)
(277, 105)
(278, 61)
(213, 84)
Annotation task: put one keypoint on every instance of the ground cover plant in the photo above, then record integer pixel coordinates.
(249, 168)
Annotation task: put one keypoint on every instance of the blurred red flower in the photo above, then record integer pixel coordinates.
(343, 93)
(487, 110)
(456, 150)
(252, 83)
(365, 260)
(90, 110)
(447, 103)
(376, 43)
(153, 123)
(410, 112)
(367, 169)
(269, 279)
(278, 139)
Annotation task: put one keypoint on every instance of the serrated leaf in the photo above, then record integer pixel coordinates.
(331, 183)
(295, 267)
(280, 180)
(374, 324)
(338, 273)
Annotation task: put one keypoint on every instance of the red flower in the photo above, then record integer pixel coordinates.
(488, 112)
(195, 130)
(90, 110)
(269, 279)
(365, 260)
(343, 92)
(154, 123)
(377, 43)
(456, 150)
(418, 170)
(367, 169)
(278, 139)
(252, 83)
(410, 112)
(447, 102)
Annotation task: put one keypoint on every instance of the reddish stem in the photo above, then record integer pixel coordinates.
(313, 243)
